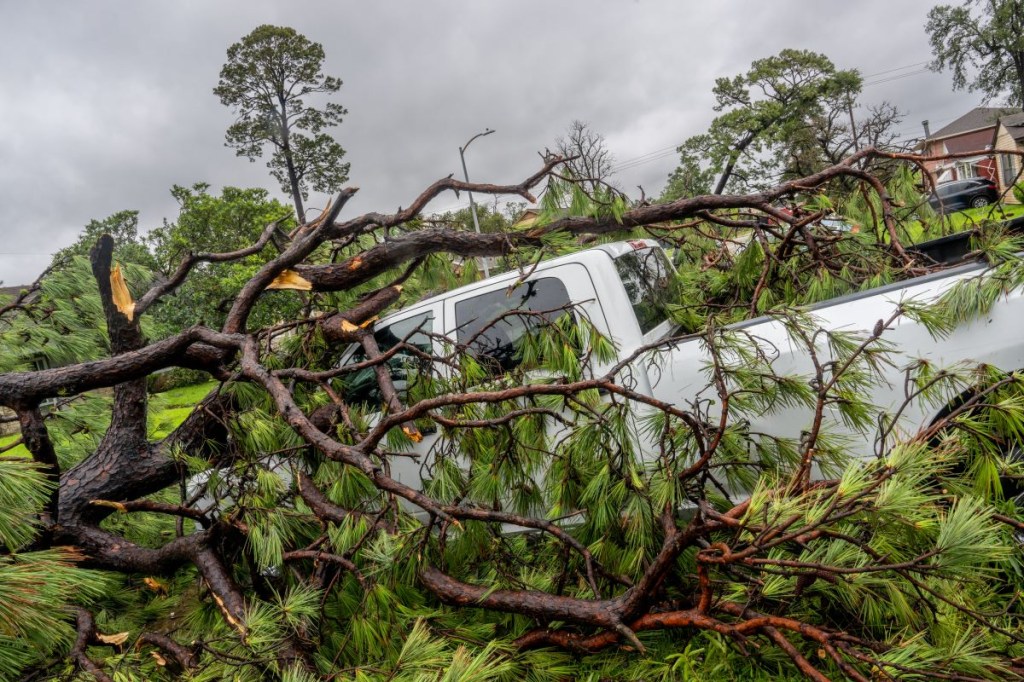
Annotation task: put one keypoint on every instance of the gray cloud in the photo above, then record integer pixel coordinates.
(104, 105)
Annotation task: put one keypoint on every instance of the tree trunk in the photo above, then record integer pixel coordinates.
(286, 149)
(733, 157)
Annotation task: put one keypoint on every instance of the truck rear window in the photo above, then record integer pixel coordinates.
(646, 276)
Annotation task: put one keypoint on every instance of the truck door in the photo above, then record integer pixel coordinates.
(488, 325)
(421, 328)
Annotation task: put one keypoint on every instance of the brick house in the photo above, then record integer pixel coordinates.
(983, 129)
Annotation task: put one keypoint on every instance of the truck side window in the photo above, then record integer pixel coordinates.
(494, 340)
(361, 386)
(646, 276)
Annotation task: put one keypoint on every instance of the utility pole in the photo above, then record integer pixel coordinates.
(472, 204)
(853, 123)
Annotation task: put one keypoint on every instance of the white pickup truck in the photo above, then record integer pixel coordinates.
(620, 288)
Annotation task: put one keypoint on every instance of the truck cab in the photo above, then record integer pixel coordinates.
(621, 289)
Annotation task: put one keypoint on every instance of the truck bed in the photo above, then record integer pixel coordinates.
(954, 248)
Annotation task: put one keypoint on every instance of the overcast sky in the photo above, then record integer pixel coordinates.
(105, 105)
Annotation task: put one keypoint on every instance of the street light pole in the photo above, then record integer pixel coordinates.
(472, 204)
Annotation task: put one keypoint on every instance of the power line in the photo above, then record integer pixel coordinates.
(646, 158)
(914, 129)
(898, 68)
(642, 157)
(895, 78)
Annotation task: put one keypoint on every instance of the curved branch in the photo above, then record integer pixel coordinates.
(37, 440)
(191, 260)
(185, 658)
(394, 252)
(85, 625)
(155, 508)
(357, 225)
(318, 556)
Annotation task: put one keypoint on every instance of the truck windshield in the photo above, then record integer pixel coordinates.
(646, 276)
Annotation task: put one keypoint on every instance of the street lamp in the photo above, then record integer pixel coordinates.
(472, 204)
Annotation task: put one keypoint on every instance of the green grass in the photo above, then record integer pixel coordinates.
(939, 226)
(186, 395)
(170, 408)
(167, 411)
(19, 451)
(162, 422)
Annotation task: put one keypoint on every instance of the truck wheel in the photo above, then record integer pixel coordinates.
(1013, 486)
(1007, 443)
(979, 202)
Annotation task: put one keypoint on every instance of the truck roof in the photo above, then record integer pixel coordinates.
(613, 250)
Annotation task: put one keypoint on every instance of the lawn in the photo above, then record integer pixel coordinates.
(167, 411)
(18, 451)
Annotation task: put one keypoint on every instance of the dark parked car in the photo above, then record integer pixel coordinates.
(960, 194)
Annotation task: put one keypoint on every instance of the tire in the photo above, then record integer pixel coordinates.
(1013, 488)
(1009, 446)
(980, 201)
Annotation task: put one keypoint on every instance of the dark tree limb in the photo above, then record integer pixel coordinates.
(85, 625)
(344, 327)
(387, 386)
(125, 439)
(37, 440)
(534, 603)
(155, 508)
(153, 467)
(404, 248)
(194, 348)
(183, 658)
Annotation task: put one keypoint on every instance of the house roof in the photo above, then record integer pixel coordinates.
(1014, 124)
(528, 218)
(11, 292)
(977, 119)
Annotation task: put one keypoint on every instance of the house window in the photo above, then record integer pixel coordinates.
(965, 170)
(1008, 169)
